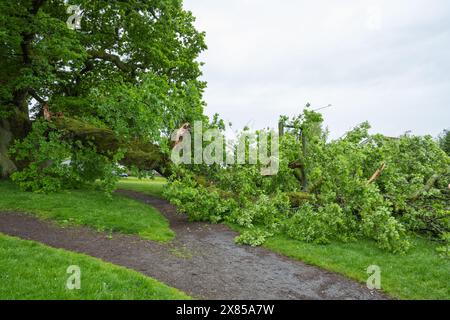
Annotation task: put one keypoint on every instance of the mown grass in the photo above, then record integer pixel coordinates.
(153, 187)
(91, 208)
(29, 270)
(419, 274)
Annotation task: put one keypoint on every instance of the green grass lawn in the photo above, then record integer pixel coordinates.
(153, 187)
(91, 208)
(419, 274)
(29, 270)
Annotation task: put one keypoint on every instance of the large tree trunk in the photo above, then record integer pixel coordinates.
(141, 154)
(16, 126)
(7, 166)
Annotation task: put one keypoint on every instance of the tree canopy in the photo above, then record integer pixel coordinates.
(444, 141)
(130, 72)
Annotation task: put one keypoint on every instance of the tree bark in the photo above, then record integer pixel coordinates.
(377, 173)
(427, 187)
(17, 125)
(305, 181)
(7, 166)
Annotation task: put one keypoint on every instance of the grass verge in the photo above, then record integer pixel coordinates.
(91, 208)
(29, 270)
(153, 187)
(419, 274)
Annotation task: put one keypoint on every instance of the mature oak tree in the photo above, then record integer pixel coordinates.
(125, 79)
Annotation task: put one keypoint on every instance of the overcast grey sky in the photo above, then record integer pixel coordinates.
(387, 62)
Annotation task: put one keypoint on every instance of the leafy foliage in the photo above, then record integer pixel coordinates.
(327, 190)
(131, 69)
(444, 141)
(253, 237)
(53, 164)
(319, 226)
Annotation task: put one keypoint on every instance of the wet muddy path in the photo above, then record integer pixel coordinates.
(203, 259)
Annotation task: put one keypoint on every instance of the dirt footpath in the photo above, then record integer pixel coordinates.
(202, 261)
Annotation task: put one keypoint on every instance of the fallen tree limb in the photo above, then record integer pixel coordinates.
(297, 199)
(430, 184)
(377, 173)
(314, 186)
(143, 155)
(299, 170)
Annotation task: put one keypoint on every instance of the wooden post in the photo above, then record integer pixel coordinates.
(280, 128)
(305, 178)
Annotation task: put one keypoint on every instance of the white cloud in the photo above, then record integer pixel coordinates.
(382, 61)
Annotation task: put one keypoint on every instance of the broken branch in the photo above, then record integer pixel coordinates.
(377, 173)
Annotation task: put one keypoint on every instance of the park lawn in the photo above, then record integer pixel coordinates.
(153, 187)
(90, 208)
(419, 274)
(29, 271)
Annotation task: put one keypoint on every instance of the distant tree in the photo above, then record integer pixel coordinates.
(444, 141)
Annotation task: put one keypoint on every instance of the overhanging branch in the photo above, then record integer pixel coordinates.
(115, 59)
(34, 94)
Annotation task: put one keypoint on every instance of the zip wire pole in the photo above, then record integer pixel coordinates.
(281, 127)
(326, 107)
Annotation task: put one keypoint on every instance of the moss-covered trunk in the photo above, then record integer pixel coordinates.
(141, 154)
(10, 130)
(16, 126)
(7, 166)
